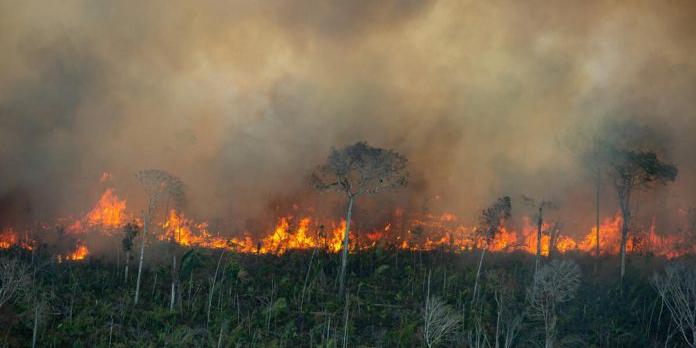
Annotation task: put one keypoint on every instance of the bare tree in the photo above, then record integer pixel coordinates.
(439, 319)
(632, 170)
(554, 284)
(539, 217)
(677, 289)
(130, 231)
(491, 221)
(357, 170)
(157, 184)
(14, 275)
(554, 233)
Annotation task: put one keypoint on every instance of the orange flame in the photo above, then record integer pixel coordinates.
(79, 254)
(109, 212)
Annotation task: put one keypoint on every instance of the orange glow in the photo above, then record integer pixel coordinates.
(109, 212)
(406, 231)
(79, 254)
(8, 238)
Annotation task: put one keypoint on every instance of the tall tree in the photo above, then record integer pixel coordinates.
(491, 221)
(357, 170)
(632, 170)
(157, 184)
(590, 148)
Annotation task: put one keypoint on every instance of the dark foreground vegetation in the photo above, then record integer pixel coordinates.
(393, 299)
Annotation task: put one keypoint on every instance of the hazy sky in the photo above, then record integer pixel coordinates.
(241, 99)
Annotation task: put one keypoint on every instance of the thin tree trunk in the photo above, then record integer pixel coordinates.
(540, 222)
(36, 326)
(344, 255)
(624, 202)
(478, 274)
(597, 198)
(625, 226)
(142, 253)
(345, 321)
(173, 292)
(304, 287)
(125, 273)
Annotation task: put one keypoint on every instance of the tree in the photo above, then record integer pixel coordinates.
(544, 204)
(130, 231)
(632, 170)
(491, 221)
(590, 149)
(13, 277)
(357, 170)
(439, 319)
(157, 184)
(677, 289)
(554, 284)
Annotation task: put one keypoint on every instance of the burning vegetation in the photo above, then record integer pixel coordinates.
(424, 232)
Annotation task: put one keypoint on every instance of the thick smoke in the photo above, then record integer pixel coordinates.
(242, 99)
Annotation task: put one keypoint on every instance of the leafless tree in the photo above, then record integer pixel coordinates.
(677, 289)
(14, 276)
(554, 284)
(632, 170)
(157, 184)
(507, 324)
(539, 217)
(554, 233)
(439, 320)
(130, 231)
(491, 221)
(357, 170)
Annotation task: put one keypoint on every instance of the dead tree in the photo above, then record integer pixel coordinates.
(130, 231)
(590, 149)
(554, 234)
(632, 170)
(357, 170)
(157, 184)
(14, 276)
(677, 289)
(539, 217)
(554, 284)
(439, 319)
(491, 221)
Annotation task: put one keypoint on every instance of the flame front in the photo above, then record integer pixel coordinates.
(417, 233)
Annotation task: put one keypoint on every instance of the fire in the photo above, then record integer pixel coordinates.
(404, 231)
(79, 254)
(109, 212)
(8, 238)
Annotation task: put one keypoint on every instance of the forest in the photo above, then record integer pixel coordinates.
(348, 173)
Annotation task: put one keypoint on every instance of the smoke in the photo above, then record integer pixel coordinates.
(242, 99)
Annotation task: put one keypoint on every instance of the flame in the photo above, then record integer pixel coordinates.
(405, 231)
(8, 238)
(79, 254)
(109, 212)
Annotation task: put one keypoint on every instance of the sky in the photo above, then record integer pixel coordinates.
(242, 99)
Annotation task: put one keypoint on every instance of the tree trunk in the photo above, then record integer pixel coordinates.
(173, 292)
(125, 273)
(598, 188)
(625, 226)
(624, 200)
(344, 255)
(142, 253)
(478, 274)
(540, 222)
(35, 333)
